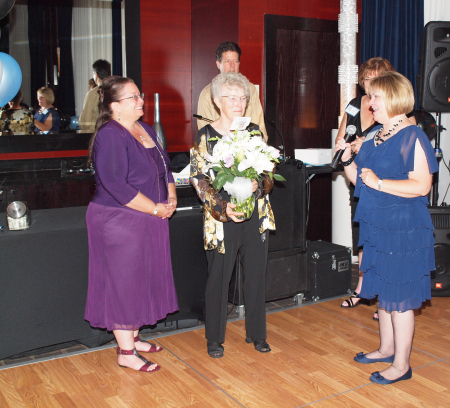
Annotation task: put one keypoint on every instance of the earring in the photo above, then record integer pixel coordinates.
(119, 116)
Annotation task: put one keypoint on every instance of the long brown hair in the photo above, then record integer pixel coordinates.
(110, 91)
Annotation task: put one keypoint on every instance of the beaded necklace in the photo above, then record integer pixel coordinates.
(380, 139)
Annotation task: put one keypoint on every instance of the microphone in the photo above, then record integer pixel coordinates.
(349, 132)
(202, 118)
(283, 146)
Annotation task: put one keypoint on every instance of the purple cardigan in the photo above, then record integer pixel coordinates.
(123, 167)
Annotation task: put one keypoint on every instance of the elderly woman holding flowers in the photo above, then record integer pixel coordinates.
(232, 172)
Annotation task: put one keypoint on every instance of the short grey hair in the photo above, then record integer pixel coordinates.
(229, 79)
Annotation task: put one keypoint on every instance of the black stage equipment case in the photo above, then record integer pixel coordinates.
(329, 269)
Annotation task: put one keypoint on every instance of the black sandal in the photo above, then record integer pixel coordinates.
(215, 350)
(260, 345)
(350, 303)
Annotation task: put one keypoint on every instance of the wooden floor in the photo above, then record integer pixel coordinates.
(311, 364)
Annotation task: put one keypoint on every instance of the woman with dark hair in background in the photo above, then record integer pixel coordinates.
(392, 174)
(130, 271)
(15, 120)
(359, 114)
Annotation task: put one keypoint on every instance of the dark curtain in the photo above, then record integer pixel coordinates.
(4, 34)
(393, 29)
(36, 39)
(116, 38)
(66, 92)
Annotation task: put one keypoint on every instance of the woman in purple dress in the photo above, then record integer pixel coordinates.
(130, 271)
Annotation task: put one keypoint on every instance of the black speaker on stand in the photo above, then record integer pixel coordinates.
(433, 81)
(440, 278)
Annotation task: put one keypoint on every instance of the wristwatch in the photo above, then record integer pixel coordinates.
(155, 211)
(380, 183)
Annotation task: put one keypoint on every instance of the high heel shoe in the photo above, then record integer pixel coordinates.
(349, 303)
(153, 347)
(146, 365)
(376, 377)
(260, 344)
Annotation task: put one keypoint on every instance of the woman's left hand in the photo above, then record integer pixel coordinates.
(369, 178)
(254, 186)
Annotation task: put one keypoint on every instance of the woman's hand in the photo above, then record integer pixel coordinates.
(341, 145)
(254, 185)
(369, 178)
(232, 214)
(164, 210)
(171, 205)
(357, 143)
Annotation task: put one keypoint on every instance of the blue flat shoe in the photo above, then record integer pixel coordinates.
(361, 358)
(379, 379)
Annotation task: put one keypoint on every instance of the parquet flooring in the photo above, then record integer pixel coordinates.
(311, 364)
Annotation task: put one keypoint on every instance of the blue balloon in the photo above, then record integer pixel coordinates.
(74, 122)
(11, 79)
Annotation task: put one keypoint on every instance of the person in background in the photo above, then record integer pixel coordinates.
(88, 118)
(46, 119)
(226, 235)
(359, 113)
(92, 84)
(393, 173)
(228, 55)
(15, 120)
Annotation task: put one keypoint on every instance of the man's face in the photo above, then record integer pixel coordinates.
(230, 62)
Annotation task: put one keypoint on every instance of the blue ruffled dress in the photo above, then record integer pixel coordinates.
(395, 232)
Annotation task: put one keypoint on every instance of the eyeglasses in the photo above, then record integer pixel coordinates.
(234, 98)
(135, 97)
(229, 61)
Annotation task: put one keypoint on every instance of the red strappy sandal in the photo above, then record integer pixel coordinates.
(153, 347)
(146, 365)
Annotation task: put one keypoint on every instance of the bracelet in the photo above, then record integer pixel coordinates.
(155, 211)
(380, 183)
(349, 161)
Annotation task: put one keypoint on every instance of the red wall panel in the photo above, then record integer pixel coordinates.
(166, 67)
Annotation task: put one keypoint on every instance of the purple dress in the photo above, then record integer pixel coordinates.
(130, 270)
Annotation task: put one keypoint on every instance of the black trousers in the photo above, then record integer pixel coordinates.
(244, 238)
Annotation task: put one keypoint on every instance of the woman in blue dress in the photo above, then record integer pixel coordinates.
(46, 119)
(392, 174)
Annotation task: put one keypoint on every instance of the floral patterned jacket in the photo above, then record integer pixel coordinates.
(214, 206)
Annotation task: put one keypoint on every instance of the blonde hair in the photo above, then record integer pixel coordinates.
(47, 93)
(374, 66)
(396, 91)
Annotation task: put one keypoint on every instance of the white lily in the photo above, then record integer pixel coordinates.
(256, 159)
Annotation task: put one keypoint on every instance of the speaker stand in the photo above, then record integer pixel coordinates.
(438, 153)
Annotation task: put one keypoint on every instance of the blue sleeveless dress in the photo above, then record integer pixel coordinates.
(395, 232)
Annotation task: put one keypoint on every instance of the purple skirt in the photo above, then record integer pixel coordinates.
(130, 270)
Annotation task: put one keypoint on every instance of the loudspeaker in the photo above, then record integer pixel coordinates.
(440, 278)
(433, 81)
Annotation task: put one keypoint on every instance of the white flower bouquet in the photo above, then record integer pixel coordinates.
(238, 158)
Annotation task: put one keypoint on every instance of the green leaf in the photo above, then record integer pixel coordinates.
(217, 169)
(220, 180)
(279, 177)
